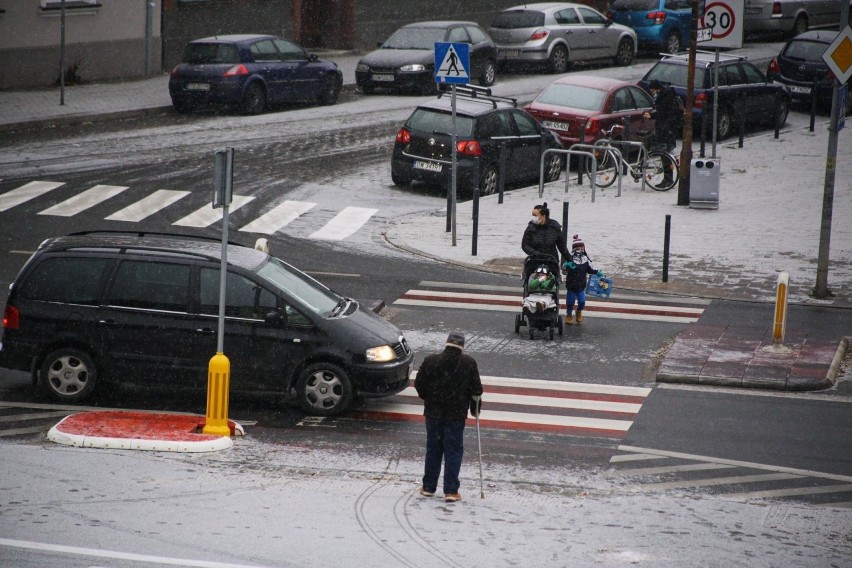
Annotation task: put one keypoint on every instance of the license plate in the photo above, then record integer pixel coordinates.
(197, 87)
(556, 125)
(800, 90)
(428, 166)
(753, 11)
(509, 52)
(383, 78)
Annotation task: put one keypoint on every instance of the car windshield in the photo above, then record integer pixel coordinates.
(201, 53)
(299, 286)
(440, 122)
(514, 19)
(675, 75)
(635, 5)
(573, 96)
(805, 50)
(415, 38)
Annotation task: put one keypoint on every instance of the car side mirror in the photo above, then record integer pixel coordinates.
(276, 316)
(312, 57)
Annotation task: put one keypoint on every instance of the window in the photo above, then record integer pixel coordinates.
(243, 297)
(151, 285)
(641, 98)
(752, 74)
(68, 280)
(458, 35)
(201, 53)
(591, 17)
(290, 51)
(434, 121)
(622, 101)
(517, 19)
(494, 124)
(476, 34)
(526, 124)
(732, 75)
(264, 50)
(566, 17)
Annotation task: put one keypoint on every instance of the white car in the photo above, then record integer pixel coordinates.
(558, 34)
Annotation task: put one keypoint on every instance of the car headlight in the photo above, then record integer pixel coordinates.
(412, 67)
(381, 354)
(362, 67)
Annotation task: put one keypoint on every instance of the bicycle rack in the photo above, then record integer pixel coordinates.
(597, 146)
(634, 144)
(569, 152)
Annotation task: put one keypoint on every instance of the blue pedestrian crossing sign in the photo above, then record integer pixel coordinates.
(452, 63)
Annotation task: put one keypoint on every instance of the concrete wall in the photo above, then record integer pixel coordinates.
(103, 42)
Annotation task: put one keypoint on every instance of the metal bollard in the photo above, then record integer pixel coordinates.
(742, 130)
(666, 239)
(218, 385)
(581, 162)
(475, 220)
(501, 176)
(565, 205)
(813, 104)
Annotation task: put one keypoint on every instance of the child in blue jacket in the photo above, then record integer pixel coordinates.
(577, 270)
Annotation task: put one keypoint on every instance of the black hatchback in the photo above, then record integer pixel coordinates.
(801, 68)
(489, 130)
(136, 308)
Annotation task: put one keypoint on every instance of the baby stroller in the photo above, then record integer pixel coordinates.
(540, 308)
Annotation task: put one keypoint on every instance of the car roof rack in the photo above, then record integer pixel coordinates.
(153, 234)
(476, 93)
(685, 55)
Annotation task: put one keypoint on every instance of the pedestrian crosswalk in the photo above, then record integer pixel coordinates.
(508, 299)
(535, 405)
(647, 470)
(341, 226)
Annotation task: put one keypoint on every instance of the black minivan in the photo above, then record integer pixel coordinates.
(143, 308)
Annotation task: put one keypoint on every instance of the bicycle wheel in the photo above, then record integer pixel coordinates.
(661, 171)
(605, 172)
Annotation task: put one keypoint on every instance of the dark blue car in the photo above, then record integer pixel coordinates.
(251, 73)
(659, 24)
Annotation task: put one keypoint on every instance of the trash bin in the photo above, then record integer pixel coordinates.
(704, 183)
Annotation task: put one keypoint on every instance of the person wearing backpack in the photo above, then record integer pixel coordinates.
(667, 114)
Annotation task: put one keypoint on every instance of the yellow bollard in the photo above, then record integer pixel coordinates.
(779, 327)
(218, 384)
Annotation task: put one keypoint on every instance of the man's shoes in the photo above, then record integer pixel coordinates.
(579, 316)
(569, 319)
(452, 497)
(426, 493)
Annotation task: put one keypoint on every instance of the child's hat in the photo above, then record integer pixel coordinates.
(578, 242)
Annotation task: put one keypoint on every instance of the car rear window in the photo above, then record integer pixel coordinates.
(440, 122)
(675, 75)
(573, 96)
(635, 5)
(514, 19)
(204, 53)
(415, 38)
(68, 280)
(805, 50)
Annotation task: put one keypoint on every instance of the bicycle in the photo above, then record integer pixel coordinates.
(652, 162)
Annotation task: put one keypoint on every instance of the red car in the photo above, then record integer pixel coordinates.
(595, 105)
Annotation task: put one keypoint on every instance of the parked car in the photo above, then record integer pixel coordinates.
(659, 24)
(128, 307)
(744, 91)
(558, 34)
(790, 17)
(800, 67)
(406, 61)
(588, 107)
(251, 72)
(484, 126)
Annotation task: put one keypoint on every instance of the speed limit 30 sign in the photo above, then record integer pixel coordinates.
(724, 18)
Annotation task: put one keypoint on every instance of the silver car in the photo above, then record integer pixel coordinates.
(557, 34)
(791, 17)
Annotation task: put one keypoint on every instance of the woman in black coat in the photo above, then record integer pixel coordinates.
(543, 236)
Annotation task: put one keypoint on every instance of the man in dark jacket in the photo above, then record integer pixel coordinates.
(543, 236)
(449, 384)
(667, 114)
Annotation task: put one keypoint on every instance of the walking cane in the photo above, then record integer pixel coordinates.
(479, 445)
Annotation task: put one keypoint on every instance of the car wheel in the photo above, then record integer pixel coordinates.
(552, 167)
(254, 99)
(781, 111)
(399, 180)
(624, 54)
(800, 26)
(68, 375)
(324, 389)
(673, 43)
(558, 60)
(724, 124)
(330, 90)
(489, 74)
(488, 181)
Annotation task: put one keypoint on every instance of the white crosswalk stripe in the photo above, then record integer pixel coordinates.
(344, 224)
(278, 217)
(528, 404)
(26, 192)
(82, 201)
(206, 216)
(147, 206)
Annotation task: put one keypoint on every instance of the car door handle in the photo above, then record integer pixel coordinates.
(205, 330)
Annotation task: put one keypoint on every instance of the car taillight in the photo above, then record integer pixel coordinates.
(539, 34)
(700, 101)
(174, 71)
(469, 147)
(592, 126)
(657, 17)
(773, 66)
(776, 8)
(11, 318)
(236, 71)
(403, 136)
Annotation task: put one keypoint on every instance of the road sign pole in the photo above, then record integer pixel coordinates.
(454, 167)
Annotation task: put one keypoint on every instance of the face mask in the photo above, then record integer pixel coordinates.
(538, 220)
